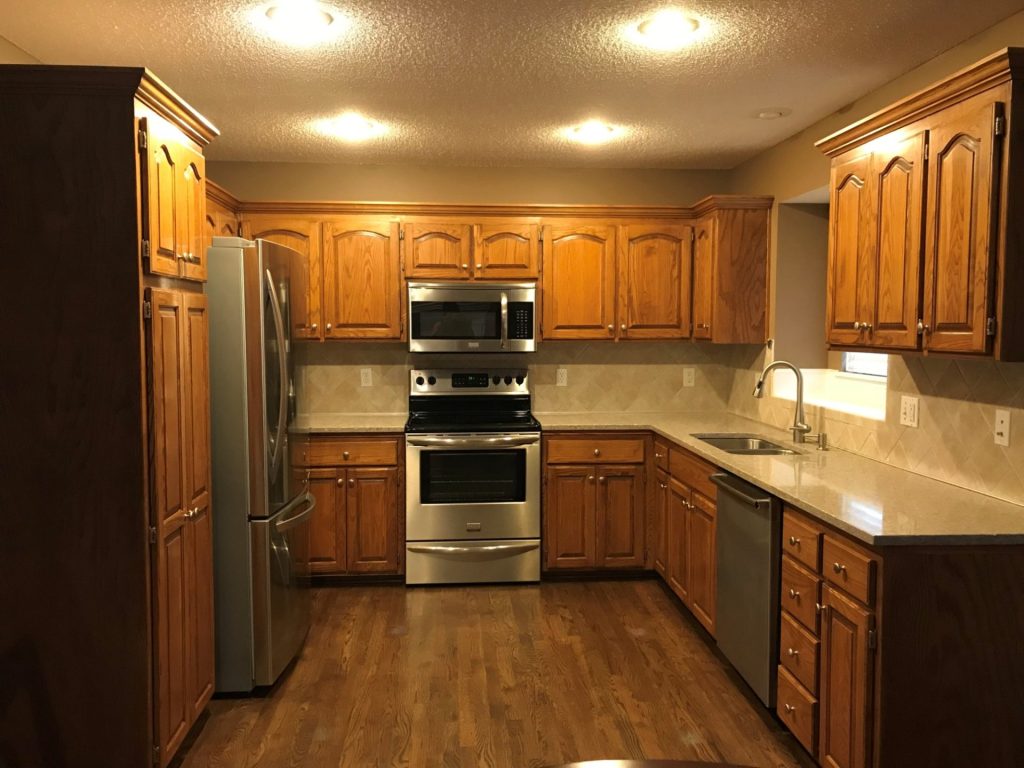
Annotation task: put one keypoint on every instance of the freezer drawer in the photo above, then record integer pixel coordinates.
(471, 562)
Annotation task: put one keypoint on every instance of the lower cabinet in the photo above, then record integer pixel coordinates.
(356, 527)
(657, 520)
(676, 543)
(702, 561)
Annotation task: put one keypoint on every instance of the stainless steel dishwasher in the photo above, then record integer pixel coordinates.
(749, 549)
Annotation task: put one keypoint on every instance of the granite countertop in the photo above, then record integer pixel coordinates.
(340, 423)
(872, 501)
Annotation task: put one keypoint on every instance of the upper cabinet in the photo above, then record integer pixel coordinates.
(506, 250)
(579, 280)
(925, 230)
(438, 250)
(494, 249)
(655, 266)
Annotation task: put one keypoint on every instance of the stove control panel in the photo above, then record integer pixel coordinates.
(469, 382)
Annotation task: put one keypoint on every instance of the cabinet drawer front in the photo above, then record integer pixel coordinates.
(335, 452)
(602, 450)
(798, 710)
(801, 540)
(801, 594)
(661, 455)
(849, 570)
(694, 472)
(798, 652)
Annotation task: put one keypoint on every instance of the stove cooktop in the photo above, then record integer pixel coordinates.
(486, 401)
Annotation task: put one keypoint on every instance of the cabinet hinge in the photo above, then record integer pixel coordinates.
(145, 249)
(401, 233)
(147, 309)
(143, 139)
(152, 540)
(872, 639)
(990, 327)
(693, 235)
(1000, 126)
(156, 754)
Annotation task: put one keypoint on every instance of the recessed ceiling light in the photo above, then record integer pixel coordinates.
(352, 126)
(667, 30)
(299, 23)
(773, 113)
(593, 132)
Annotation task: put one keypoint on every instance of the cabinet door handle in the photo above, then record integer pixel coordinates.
(622, 327)
(479, 266)
(600, 479)
(344, 454)
(313, 327)
(793, 594)
(610, 328)
(465, 266)
(658, 456)
(590, 478)
(328, 327)
(856, 325)
(662, 485)
(351, 483)
(597, 451)
(792, 652)
(838, 567)
(790, 709)
(793, 541)
(341, 481)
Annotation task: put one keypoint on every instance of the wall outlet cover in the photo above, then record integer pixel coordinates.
(562, 377)
(366, 377)
(689, 376)
(1001, 431)
(908, 411)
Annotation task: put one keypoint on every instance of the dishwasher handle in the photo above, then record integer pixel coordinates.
(727, 484)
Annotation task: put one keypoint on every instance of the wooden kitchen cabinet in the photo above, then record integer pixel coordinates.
(506, 250)
(221, 219)
(702, 559)
(301, 234)
(578, 296)
(362, 279)
(570, 505)
(372, 527)
(437, 250)
(657, 535)
(620, 517)
(676, 533)
(655, 265)
(849, 250)
(703, 277)
(327, 540)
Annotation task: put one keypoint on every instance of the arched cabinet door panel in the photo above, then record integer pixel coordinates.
(579, 281)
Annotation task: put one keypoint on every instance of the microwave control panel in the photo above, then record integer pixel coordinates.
(520, 320)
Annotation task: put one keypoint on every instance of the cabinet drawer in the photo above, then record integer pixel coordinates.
(661, 455)
(595, 450)
(336, 452)
(798, 652)
(798, 710)
(849, 569)
(801, 539)
(801, 593)
(694, 472)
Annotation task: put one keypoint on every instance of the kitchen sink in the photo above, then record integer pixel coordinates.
(749, 445)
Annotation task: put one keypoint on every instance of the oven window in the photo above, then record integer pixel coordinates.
(472, 477)
(456, 320)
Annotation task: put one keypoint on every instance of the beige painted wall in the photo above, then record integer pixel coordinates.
(802, 235)
(12, 54)
(426, 184)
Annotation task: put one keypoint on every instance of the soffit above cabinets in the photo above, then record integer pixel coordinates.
(491, 83)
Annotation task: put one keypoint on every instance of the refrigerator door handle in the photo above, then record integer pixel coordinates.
(286, 523)
(277, 448)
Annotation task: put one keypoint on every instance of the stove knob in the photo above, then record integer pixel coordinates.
(419, 381)
(431, 380)
(496, 380)
(520, 380)
(508, 379)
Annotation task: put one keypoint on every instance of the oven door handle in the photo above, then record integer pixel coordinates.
(504, 319)
(473, 442)
(447, 549)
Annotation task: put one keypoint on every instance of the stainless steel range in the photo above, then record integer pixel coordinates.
(473, 485)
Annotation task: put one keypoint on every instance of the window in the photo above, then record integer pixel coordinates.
(866, 363)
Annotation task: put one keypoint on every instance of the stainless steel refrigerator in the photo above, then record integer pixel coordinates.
(261, 526)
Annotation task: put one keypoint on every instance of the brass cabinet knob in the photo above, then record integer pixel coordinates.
(610, 328)
(622, 327)
(703, 326)
(838, 567)
(313, 327)
(794, 594)
(590, 478)
(465, 266)
(351, 483)
(600, 479)
(663, 485)
(479, 266)
(597, 451)
(341, 481)
(790, 709)
(792, 652)
(856, 325)
(328, 327)
(818, 607)
(344, 454)
(658, 456)
(793, 541)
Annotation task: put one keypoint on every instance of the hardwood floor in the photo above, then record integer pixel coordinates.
(512, 676)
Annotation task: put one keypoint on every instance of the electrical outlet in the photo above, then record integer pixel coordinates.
(689, 377)
(562, 377)
(1001, 432)
(908, 411)
(366, 377)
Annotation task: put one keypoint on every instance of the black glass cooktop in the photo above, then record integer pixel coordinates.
(470, 414)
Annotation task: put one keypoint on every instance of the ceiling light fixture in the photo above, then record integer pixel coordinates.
(299, 23)
(667, 30)
(773, 113)
(593, 132)
(352, 127)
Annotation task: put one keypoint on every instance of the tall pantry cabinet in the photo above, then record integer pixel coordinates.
(106, 643)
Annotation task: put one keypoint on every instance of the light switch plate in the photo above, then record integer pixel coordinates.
(1001, 431)
(366, 377)
(908, 411)
(689, 377)
(562, 377)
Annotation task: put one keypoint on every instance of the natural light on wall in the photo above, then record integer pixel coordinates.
(857, 386)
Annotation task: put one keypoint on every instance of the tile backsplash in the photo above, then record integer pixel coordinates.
(953, 440)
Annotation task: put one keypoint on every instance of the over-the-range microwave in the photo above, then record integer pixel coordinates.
(472, 317)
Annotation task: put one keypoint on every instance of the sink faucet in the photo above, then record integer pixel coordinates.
(801, 431)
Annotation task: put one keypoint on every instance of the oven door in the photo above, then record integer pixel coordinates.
(483, 486)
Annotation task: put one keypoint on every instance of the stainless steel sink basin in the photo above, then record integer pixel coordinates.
(750, 445)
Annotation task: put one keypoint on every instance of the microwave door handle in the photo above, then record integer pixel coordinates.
(504, 319)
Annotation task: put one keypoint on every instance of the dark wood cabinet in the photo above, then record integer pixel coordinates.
(657, 536)
(619, 517)
(676, 534)
(327, 541)
(372, 527)
(702, 560)
(569, 507)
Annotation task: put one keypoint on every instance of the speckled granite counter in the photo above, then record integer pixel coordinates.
(871, 501)
(338, 423)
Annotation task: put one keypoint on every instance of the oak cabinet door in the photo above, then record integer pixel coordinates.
(702, 560)
(962, 202)
(362, 279)
(676, 535)
(570, 499)
(703, 277)
(303, 236)
(438, 250)
(506, 250)
(327, 537)
(372, 520)
(164, 172)
(655, 265)
(191, 214)
(619, 518)
(579, 281)
(898, 194)
(845, 680)
(657, 529)
(850, 267)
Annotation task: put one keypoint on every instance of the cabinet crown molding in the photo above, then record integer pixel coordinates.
(1000, 67)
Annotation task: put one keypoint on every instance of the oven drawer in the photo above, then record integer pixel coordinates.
(428, 522)
(466, 562)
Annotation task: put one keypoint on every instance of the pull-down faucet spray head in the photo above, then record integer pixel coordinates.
(759, 387)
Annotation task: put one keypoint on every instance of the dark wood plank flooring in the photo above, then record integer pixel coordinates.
(508, 676)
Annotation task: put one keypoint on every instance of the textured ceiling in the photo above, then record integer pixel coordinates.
(489, 82)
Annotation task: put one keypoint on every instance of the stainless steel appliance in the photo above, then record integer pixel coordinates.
(473, 485)
(472, 317)
(261, 527)
(749, 527)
